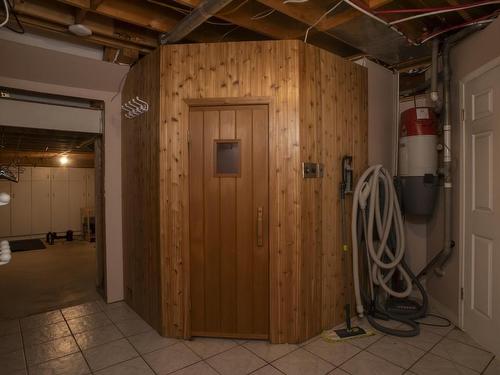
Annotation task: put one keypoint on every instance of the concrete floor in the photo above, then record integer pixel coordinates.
(36, 281)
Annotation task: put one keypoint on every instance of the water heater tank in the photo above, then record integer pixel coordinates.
(418, 160)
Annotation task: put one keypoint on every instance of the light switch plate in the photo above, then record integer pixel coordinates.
(312, 170)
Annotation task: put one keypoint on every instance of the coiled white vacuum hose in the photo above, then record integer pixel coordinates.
(382, 261)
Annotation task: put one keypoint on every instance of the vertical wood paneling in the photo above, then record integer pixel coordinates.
(140, 184)
(317, 112)
(251, 69)
(333, 124)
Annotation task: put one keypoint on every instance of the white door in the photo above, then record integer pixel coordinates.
(77, 197)
(40, 200)
(482, 209)
(90, 175)
(5, 211)
(59, 200)
(21, 204)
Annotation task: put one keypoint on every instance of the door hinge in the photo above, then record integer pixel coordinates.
(462, 114)
(189, 139)
(462, 293)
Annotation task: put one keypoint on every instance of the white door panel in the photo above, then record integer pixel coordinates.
(5, 211)
(59, 199)
(481, 213)
(77, 197)
(40, 206)
(20, 207)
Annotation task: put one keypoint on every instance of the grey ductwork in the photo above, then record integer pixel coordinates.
(200, 14)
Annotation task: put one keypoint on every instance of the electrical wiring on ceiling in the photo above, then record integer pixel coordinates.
(263, 14)
(187, 12)
(21, 29)
(6, 5)
(320, 18)
(477, 21)
(442, 11)
(434, 9)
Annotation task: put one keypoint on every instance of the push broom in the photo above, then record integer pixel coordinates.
(349, 332)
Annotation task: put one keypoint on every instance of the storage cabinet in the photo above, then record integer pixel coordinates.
(46, 199)
(21, 204)
(5, 211)
(40, 200)
(77, 196)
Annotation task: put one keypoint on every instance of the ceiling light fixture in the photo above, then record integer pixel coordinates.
(79, 29)
(63, 160)
(295, 1)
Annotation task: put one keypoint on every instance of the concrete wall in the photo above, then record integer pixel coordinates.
(469, 55)
(41, 70)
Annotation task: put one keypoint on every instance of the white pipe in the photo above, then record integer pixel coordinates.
(381, 260)
(443, 11)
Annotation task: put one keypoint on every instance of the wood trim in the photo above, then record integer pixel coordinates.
(229, 336)
(212, 102)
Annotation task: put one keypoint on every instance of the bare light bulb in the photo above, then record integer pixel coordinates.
(63, 160)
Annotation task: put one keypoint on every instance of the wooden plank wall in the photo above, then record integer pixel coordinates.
(317, 112)
(333, 122)
(140, 189)
(232, 70)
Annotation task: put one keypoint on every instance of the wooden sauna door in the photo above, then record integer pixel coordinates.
(229, 220)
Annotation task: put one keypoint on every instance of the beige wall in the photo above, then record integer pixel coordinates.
(41, 70)
(469, 55)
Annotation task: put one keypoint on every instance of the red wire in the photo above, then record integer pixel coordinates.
(442, 31)
(426, 10)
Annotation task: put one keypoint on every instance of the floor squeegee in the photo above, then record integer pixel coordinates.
(350, 331)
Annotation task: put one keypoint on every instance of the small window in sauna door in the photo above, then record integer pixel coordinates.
(229, 211)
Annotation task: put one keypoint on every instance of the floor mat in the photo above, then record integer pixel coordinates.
(25, 245)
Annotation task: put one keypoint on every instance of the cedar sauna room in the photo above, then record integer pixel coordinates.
(225, 235)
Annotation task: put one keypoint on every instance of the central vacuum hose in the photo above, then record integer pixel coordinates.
(376, 200)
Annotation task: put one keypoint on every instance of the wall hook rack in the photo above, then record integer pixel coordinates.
(135, 107)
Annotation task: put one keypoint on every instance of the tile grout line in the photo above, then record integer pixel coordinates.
(24, 347)
(76, 341)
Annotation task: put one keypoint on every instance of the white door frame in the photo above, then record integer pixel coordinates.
(462, 209)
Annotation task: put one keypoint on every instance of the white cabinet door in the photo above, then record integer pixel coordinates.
(59, 200)
(90, 174)
(40, 200)
(21, 204)
(77, 196)
(5, 211)
(40, 206)
(40, 174)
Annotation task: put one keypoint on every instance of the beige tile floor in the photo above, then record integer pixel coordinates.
(96, 338)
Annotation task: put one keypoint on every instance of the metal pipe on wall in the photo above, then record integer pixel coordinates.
(447, 157)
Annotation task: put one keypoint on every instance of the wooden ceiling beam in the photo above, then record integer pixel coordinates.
(59, 14)
(309, 14)
(146, 15)
(37, 24)
(276, 26)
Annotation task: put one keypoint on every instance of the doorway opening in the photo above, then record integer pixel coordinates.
(53, 220)
(229, 221)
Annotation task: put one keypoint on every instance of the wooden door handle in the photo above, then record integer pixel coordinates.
(260, 233)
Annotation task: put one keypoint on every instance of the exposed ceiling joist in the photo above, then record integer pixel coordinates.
(205, 10)
(58, 14)
(276, 26)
